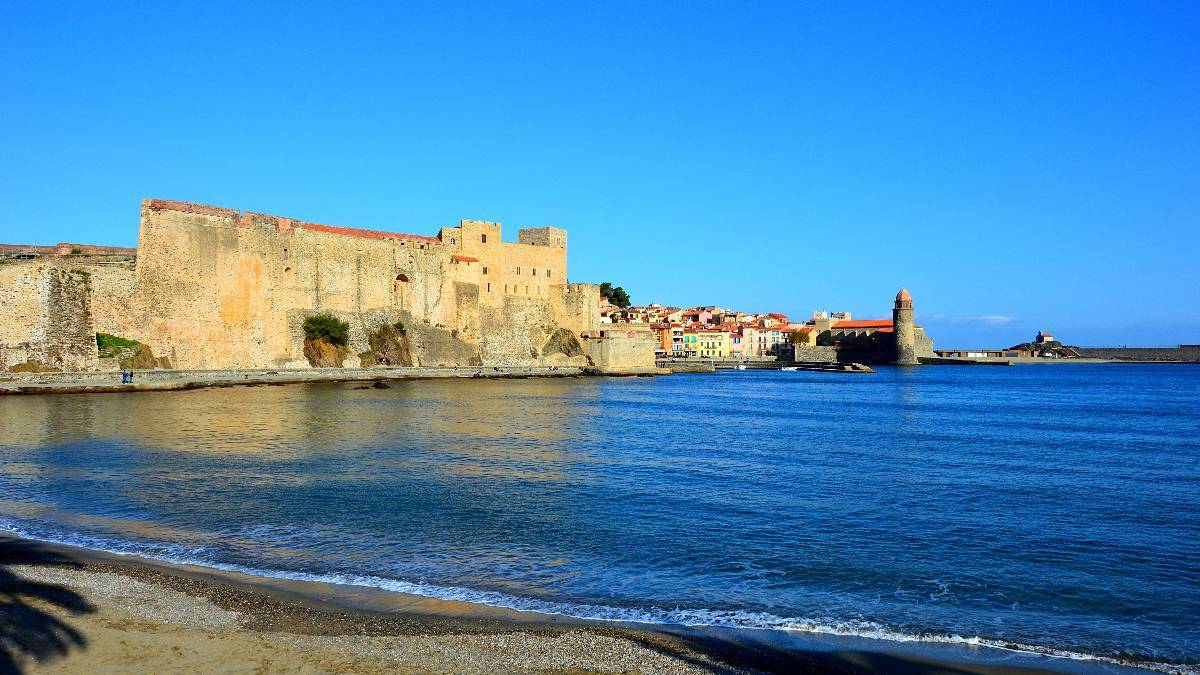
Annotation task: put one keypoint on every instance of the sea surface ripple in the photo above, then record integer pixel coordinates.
(1053, 509)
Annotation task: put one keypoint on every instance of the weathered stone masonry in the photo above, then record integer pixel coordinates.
(219, 288)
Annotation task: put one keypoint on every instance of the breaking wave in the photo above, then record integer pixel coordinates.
(181, 555)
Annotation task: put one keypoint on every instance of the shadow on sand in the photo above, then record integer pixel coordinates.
(26, 630)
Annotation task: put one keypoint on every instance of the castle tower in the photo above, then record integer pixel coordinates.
(902, 321)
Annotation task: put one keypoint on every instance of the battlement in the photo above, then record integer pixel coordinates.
(281, 224)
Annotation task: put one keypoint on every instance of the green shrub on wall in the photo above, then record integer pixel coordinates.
(327, 327)
(109, 345)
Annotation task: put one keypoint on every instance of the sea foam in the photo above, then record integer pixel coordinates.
(687, 617)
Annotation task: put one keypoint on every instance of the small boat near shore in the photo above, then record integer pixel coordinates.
(819, 367)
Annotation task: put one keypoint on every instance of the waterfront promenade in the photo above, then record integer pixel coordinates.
(173, 380)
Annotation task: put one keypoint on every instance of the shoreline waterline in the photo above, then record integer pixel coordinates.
(391, 597)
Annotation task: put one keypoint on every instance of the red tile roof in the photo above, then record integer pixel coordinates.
(464, 258)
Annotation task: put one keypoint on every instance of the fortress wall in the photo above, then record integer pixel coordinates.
(112, 300)
(217, 288)
(222, 289)
(628, 350)
(46, 317)
(577, 307)
(531, 269)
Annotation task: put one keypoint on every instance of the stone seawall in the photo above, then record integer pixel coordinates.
(816, 354)
(1186, 354)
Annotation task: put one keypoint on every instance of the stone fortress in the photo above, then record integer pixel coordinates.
(217, 288)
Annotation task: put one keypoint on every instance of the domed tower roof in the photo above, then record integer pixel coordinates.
(903, 296)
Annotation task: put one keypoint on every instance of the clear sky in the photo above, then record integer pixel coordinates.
(1017, 166)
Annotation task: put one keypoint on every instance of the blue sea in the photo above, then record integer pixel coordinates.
(1052, 509)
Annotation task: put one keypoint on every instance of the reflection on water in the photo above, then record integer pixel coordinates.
(912, 501)
(474, 417)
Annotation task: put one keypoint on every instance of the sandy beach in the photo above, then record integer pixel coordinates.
(66, 612)
(69, 609)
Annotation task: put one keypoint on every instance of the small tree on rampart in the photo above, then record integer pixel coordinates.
(327, 327)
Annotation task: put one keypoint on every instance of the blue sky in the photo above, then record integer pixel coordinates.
(1017, 166)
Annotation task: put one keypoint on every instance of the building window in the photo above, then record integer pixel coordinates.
(518, 270)
(485, 270)
(547, 274)
(533, 271)
(483, 238)
(453, 240)
(526, 290)
(489, 288)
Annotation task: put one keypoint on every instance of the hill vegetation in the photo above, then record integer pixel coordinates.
(615, 294)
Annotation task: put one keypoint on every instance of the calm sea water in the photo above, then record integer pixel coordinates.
(1055, 507)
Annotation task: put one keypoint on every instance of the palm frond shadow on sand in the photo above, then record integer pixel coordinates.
(28, 629)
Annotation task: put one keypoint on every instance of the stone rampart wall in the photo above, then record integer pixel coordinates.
(625, 350)
(46, 317)
(822, 354)
(217, 288)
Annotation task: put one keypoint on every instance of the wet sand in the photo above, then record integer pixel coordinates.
(71, 609)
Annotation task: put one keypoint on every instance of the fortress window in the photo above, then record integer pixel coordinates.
(533, 271)
(547, 274)
(402, 277)
(453, 241)
(526, 290)
(489, 288)
(483, 238)
(485, 270)
(518, 270)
